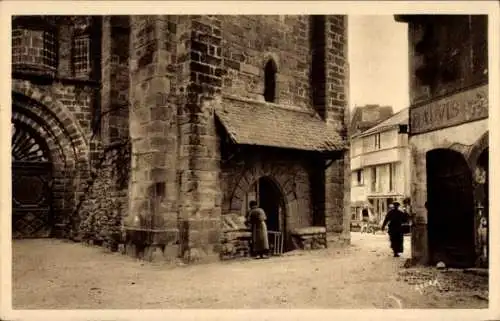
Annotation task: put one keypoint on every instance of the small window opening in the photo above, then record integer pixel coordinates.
(359, 177)
(81, 55)
(270, 81)
(49, 49)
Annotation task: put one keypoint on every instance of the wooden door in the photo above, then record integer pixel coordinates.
(31, 185)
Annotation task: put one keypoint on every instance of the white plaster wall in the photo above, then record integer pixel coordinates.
(466, 134)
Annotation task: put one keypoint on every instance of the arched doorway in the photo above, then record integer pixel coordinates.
(270, 198)
(31, 184)
(450, 201)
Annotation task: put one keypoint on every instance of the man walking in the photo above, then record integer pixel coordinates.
(395, 219)
(257, 220)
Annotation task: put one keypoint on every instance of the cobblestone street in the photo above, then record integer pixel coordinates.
(55, 274)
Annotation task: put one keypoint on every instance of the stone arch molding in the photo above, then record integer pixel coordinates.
(56, 147)
(470, 153)
(271, 56)
(53, 122)
(53, 116)
(476, 149)
(283, 181)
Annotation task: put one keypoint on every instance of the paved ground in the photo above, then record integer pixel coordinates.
(54, 274)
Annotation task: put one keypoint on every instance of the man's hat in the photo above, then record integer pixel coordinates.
(396, 204)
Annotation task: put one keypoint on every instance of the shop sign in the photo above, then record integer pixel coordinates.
(450, 111)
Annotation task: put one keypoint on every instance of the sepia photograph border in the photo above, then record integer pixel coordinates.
(20, 7)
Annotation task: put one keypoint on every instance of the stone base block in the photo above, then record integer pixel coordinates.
(151, 245)
(59, 231)
(419, 246)
(310, 238)
(152, 253)
(338, 239)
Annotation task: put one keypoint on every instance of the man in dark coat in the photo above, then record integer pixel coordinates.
(395, 219)
(365, 219)
(256, 218)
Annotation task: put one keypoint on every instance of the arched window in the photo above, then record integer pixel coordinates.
(270, 81)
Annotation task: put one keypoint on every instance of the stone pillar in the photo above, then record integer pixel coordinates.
(120, 80)
(153, 130)
(106, 44)
(337, 176)
(418, 178)
(200, 196)
(115, 78)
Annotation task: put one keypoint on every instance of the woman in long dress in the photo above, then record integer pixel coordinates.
(257, 221)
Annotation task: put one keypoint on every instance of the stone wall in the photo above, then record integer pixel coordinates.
(463, 53)
(115, 78)
(248, 42)
(199, 177)
(105, 206)
(460, 139)
(291, 176)
(337, 176)
(153, 187)
(163, 91)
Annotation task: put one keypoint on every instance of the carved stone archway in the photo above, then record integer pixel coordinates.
(53, 126)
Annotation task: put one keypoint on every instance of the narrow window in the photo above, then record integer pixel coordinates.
(391, 178)
(377, 141)
(359, 177)
(270, 81)
(81, 56)
(49, 49)
(374, 179)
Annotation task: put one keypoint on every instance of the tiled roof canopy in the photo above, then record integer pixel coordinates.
(257, 123)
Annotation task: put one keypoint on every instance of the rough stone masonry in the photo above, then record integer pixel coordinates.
(186, 69)
(211, 105)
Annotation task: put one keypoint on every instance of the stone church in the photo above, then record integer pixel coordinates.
(153, 129)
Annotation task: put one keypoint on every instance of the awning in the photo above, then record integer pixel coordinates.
(260, 124)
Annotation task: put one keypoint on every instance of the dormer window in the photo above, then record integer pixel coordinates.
(270, 71)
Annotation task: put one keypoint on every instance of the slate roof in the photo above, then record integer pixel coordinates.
(399, 118)
(358, 125)
(258, 123)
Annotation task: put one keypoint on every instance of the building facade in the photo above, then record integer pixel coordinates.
(380, 166)
(156, 127)
(449, 137)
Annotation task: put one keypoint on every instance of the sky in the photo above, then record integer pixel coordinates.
(378, 61)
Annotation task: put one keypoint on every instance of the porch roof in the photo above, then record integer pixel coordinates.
(263, 124)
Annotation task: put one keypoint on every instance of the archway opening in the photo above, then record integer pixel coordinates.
(270, 198)
(31, 184)
(450, 204)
